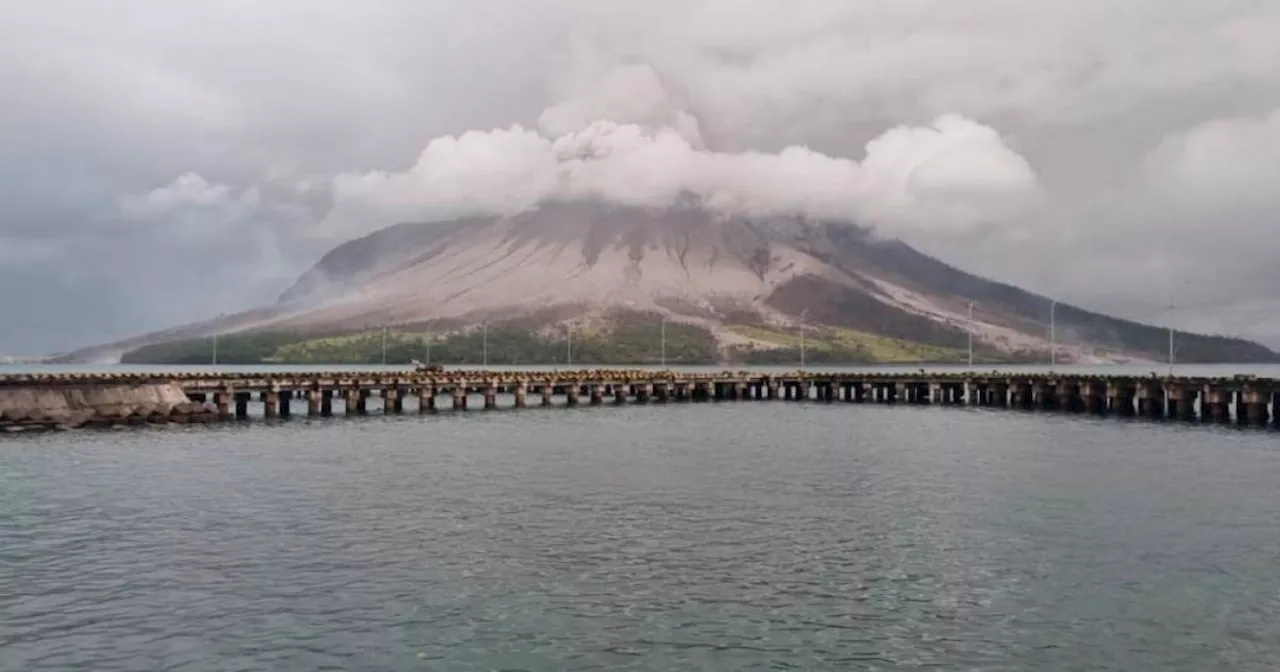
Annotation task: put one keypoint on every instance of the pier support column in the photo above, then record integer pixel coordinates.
(351, 401)
(313, 402)
(802, 390)
(460, 397)
(1000, 395)
(1091, 397)
(1275, 408)
(1182, 401)
(572, 392)
(923, 393)
(1020, 395)
(739, 391)
(362, 401)
(427, 398)
(1068, 395)
(326, 403)
(772, 389)
(270, 403)
(491, 395)
(390, 401)
(662, 392)
(1041, 397)
(682, 391)
(645, 394)
(1217, 404)
(547, 390)
(1150, 399)
(222, 400)
(522, 394)
(619, 394)
(242, 404)
(1253, 405)
(1120, 396)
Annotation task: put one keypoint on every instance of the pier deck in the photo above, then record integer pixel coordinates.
(1242, 400)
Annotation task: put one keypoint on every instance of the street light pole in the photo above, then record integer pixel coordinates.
(215, 348)
(971, 334)
(384, 345)
(1053, 333)
(664, 343)
(568, 344)
(484, 344)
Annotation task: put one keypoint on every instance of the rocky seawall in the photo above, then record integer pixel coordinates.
(69, 407)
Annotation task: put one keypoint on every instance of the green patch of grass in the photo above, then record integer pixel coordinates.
(890, 350)
(838, 345)
(813, 339)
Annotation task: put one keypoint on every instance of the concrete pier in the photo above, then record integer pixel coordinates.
(1242, 400)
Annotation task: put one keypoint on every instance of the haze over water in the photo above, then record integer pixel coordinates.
(677, 537)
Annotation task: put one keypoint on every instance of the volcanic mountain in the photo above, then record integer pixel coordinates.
(581, 263)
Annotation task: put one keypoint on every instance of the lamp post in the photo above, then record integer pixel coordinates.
(663, 331)
(1053, 333)
(803, 315)
(971, 334)
(215, 340)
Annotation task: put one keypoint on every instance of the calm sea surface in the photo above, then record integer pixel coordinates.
(733, 536)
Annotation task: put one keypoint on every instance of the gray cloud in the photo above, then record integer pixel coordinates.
(1149, 127)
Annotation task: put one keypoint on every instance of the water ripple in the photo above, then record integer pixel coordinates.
(728, 536)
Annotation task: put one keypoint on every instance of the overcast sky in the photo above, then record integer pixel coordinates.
(167, 160)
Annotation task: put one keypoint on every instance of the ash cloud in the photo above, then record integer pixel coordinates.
(626, 141)
(1136, 143)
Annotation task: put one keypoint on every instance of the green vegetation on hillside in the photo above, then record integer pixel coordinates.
(836, 345)
(629, 340)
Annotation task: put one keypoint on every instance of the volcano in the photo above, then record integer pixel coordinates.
(584, 263)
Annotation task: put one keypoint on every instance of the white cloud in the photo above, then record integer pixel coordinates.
(953, 175)
(1221, 166)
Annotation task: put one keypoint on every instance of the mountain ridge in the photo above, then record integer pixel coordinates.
(573, 263)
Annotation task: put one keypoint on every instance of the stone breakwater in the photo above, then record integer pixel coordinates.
(89, 405)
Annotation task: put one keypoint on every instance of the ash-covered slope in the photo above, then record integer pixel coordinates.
(585, 262)
(580, 260)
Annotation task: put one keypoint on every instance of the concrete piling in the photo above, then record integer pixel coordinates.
(571, 393)
(1246, 400)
